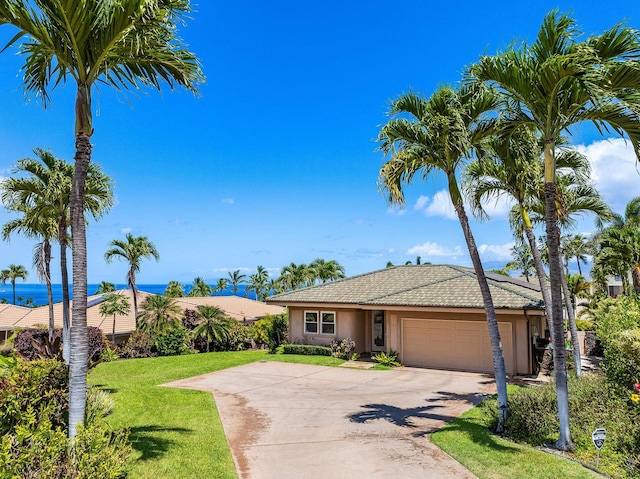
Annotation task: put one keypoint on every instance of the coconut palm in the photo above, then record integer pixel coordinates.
(33, 225)
(158, 314)
(552, 85)
(120, 44)
(439, 134)
(133, 249)
(174, 289)
(199, 288)
(12, 274)
(235, 280)
(221, 286)
(325, 271)
(214, 325)
(105, 287)
(42, 189)
(294, 276)
(575, 247)
(114, 304)
(258, 282)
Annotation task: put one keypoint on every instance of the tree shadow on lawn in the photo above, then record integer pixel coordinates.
(149, 442)
(480, 435)
(103, 387)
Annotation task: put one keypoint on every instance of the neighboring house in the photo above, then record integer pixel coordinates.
(241, 309)
(432, 315)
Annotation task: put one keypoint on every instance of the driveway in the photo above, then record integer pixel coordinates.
(292, 421)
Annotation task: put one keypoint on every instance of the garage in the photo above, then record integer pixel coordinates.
(453, 344)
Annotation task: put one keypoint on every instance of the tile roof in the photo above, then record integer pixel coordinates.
(419, 286)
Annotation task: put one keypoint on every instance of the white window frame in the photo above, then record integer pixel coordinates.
(317, 322)
(320, 322)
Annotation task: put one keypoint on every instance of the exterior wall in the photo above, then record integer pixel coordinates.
(350, 323)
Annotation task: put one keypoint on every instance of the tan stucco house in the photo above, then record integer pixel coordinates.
(432, 315)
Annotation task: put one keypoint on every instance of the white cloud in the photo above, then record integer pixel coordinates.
(396, 210)
(434, 250)
(228, 201)
(498, 209)
(125, 230)
(614, 170)
(440, 205)
(492, 252)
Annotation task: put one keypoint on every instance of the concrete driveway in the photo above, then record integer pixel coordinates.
(292, 421)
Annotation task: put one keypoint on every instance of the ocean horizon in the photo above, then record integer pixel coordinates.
(38, 292)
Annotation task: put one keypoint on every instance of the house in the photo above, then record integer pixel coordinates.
(241, 309)
(431, 315)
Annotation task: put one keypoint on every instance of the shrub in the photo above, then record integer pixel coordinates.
(32, 343)
(172, 341)
(584, 325)
(385, 359)
(272, 330)
(306, 349)
(593, 403)
(240, 338)
(345, 349)
(139, 345)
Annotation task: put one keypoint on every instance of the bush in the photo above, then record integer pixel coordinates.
(240, 338)
(385, 359)
(32, 343)
(593, 403)
(618, 328)
(306, 349)
(172, 341)
(345, 349)
(272, 330)
(139, 345)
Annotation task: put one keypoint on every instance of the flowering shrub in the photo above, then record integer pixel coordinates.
(345, 349)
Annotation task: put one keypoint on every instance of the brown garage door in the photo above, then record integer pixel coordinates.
(461, 345)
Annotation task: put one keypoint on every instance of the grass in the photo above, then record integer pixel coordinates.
(176, 432)
(488, 456)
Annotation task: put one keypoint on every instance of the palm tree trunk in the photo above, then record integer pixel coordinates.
(79, 338)
(572, 324)
(542, 274)
(134, 291)
(47, 278)
(13, 286)
(559, 358)
(492, 322)
(64, 271)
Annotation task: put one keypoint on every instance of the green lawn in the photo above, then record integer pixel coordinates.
(488, 456)
(176, 432)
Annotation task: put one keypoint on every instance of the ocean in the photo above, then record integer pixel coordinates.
(38, 292)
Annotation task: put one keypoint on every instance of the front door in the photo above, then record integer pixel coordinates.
(378, 332)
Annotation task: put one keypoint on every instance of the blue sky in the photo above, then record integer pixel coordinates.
(275, 161)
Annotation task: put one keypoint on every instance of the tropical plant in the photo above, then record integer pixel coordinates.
(550, 86)
(12, 274)
(575, 247)
(133, 249)
(174, 289)
(114, 304)
(43, 193)
(325, 271)
(214, 325)
(439, 135)
(158, 314)
(258, 283)
(235, 280)
(221, 286)
(120, 44)
(105, 287)
(199, 288)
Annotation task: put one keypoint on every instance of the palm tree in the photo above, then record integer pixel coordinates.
(34, 225)
(550, 86)
(119, 44)
(258, 282)
(133, 249)
(214, 325)
(199, 288)
(174, 289)
(236, 279)
(523, 259)
(575, 247)
(117, 305)
(221, 286)
(12, 273)
(46, 193)
(439, 135)
(158, 314)
(105, 287)
(325, 271)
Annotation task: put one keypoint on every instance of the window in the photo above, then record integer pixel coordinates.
(311, 322)
(328, 323)
(323, 322)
